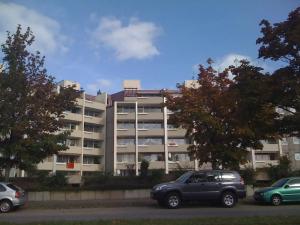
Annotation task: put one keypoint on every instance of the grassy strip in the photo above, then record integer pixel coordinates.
(276, 220)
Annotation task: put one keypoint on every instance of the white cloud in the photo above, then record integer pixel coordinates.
(47, 31)
(134, 41)
(231, 59)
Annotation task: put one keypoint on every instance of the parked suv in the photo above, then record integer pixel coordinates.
(11, 196)
(226, 186)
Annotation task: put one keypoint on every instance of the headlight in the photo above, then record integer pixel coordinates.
(159, 188)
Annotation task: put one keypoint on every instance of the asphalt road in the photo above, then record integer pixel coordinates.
(151, 211)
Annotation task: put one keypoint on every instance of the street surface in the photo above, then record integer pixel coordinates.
(148, 211)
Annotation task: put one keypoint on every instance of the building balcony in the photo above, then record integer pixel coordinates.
(151, 132)
(177, 148)
(92, 167)
(76, 133)
(94, 120)
(45, 166)
(175, 165)
(93, 151)
(93, 135)
(125, 132)
(64, 167)
(151, 116)
(125, 116)
(125, 148)
(151, 148)
(269, 148)
(72, 116)
(176, 133)
(95, 105)
(76, 150)
(145, 100)
(266, 163)
(156, 165)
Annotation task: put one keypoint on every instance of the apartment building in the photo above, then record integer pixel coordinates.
(138, 128)
(86, 153)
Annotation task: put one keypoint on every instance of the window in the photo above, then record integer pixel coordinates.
(264, 157)
(284, 141)
(179, 157)
(2, 188)
(294, 183)
(66, 159)
(91, 144)
(228, 177)
(150, 141)
(125, 141)
(125, 125)
(93, 113)
(151, 157)
(125, 158)
(125, 109)
(213, 176)
(92, 128)
(91, 159)
(171, 126)
(150, 125)
(197, 178)
(74, 110)
(176, 141)
(70, 126)
(72, 142)
(149, 109)
(296, 140)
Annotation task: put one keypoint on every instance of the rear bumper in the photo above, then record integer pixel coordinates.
(19, 201)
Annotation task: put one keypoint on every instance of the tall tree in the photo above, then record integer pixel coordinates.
(225, 117)
(31, 108)
(281, 42)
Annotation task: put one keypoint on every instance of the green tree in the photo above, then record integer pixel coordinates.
(281, 42)
(31, 108)
(144, 168)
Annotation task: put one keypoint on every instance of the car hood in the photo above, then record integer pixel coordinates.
(167, 184)
(266, 189)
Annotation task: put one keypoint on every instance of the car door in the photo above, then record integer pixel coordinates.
(193, 189)
(291, 191)
(213, 185)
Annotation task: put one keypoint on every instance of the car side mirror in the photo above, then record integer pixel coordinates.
(286, 186)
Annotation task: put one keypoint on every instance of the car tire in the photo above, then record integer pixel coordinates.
(5, 206)
(228, 199)
(276, 200)
(173, 200)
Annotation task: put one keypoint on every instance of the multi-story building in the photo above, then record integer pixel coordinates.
(138, 128)
(86, 153)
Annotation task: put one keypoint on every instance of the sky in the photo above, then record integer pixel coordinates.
(100, 43)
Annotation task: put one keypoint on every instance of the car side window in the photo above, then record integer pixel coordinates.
(2, 188)
(227, 176)
(197, 178)
(213, 176)
(294, 183)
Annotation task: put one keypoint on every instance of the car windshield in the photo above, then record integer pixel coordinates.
(280, 182)
(183, 177)
(14, 187)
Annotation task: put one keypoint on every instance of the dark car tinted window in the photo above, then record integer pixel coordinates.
(294, 183)
(280, 182)
(13, 187)
(228, 176)
(2, 188)
(213, 176)
(197, 178)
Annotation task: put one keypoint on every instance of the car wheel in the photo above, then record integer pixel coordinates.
(228, 199)
(276, 200)
(5, 206)
(173, 200)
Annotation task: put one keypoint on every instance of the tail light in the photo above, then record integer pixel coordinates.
(18, 194)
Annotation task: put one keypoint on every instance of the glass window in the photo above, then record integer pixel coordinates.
(125, 141)
(91, 144)
(125, 109)
(151, 157)
(179, 157)
(264, 157)
(125, 125)
(91, 159)
(92, 128)
(296, 140)
(126, 158)
(284, 141)
(213, 176)
(176, 141)
(294, 183)
(228, 176)
(150, 125)
(72, 142)
(67, 159)
(93, 113)
(149, 109)
(2, 188)
(70, 126)
(150, 141)
(197, 178)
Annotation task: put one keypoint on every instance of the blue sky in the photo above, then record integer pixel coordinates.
(160, 42)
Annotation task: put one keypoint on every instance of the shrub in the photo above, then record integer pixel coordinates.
(144, 168)
(248, 174)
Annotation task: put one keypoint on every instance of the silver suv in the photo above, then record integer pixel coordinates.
(11, 196)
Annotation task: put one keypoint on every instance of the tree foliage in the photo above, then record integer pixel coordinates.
(281, 42)
(30, 106)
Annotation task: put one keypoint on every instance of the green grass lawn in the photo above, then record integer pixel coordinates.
(281, 220)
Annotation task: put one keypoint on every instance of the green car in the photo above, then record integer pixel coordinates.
(283, 190)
